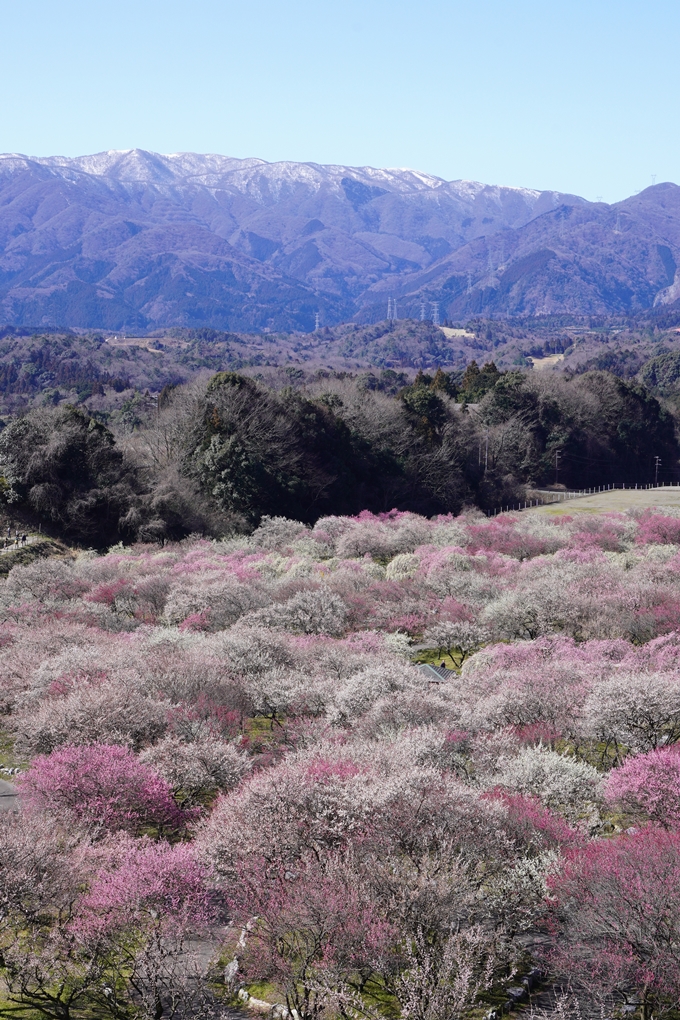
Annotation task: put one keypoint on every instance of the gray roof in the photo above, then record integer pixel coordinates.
(436, 674)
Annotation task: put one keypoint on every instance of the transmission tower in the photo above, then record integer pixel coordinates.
(653, 179)
(469, 286)
(394, 308)
(422, 309)
(317, 321)
(558, 457)
(389, 308)
(435, 313)
(657, 465)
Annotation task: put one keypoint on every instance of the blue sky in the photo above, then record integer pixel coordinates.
(578, 96)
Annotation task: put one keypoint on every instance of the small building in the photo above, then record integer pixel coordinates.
(436, 674)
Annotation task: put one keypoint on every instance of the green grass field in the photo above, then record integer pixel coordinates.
(614, 500)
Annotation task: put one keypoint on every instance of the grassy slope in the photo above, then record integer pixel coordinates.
(617, 500)
(35, 550)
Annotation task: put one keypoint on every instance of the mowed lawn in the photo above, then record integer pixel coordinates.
(615, 499)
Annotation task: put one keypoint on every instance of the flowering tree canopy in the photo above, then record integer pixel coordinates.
(238, 729)
(102, 787)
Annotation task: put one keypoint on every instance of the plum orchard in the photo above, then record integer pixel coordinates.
(229, 743)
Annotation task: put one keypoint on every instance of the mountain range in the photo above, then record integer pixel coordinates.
(133, 241)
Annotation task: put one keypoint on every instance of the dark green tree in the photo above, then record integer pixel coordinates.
(64, 468)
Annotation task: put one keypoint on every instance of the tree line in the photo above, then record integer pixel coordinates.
(217, 456)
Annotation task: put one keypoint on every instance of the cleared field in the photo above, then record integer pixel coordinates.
(450, 333)
(541, 364)
(614, 500)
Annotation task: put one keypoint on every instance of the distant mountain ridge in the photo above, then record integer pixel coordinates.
(136, 240)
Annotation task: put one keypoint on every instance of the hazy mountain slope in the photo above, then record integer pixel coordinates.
(580, 258)
(135, 239)
(92, 251)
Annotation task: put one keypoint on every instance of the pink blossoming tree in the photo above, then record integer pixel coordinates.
(103, 788)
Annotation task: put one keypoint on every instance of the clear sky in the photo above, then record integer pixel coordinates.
(578, 96)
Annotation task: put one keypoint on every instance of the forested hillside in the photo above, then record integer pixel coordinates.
(216, 456)
(137, 240)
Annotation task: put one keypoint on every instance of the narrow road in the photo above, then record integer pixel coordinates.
(14, 548)
(8, 796)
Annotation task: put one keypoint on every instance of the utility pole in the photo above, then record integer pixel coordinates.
(558, 457)
(486, 454)
(657, 463)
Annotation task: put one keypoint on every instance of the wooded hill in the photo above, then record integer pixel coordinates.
(216, 457)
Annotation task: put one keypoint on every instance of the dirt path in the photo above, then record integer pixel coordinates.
(15, 548)
(8, 795)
